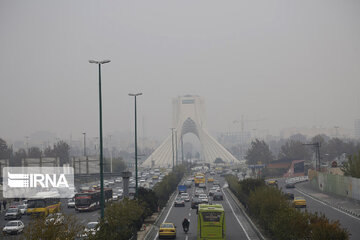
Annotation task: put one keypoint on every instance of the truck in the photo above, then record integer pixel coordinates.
(182, 189)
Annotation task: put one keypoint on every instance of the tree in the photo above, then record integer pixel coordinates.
(218, 160)
(294, 150)
(259, 152)
(38, 228)
(16, 160)
(34, 152)
(121, 220)
(148, 199)
(298, 137)
(49, 152)
(118, 165)
(62, 150)
(352, 166)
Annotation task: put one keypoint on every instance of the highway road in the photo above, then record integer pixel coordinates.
(237, 227)
(346, 220)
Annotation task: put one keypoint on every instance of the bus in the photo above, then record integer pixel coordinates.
(199, 178)
(44, 203)
(211, 222)
(90, 200)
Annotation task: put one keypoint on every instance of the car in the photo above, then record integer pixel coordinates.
(111, 182)
(167, 230)
(212, 191)
(185, 197)
(13, 213)
(290, 185)
(218, 196)
(115, 197)
(289, 195)
(188, 184)
(71, 203)
(198, 192)
(23, 208)
(179, 202)
(210, 180)
(13, 227)
(118, 180)
(132, 192)
(55, 219)
(216, 183)
(202, 185)
(195, 202)
(272, 182)
(203, 198)
(299, 202)
(212, 173)
(90, 229)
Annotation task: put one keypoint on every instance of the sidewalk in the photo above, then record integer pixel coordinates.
(347, 205)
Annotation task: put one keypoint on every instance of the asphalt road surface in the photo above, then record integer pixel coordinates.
(237, 227)
(346, 220)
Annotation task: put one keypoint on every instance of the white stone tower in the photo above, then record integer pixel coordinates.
(189, 117)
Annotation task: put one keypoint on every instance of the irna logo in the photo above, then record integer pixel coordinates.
(16, 180)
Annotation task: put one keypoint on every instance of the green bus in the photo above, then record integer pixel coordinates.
(211, 222)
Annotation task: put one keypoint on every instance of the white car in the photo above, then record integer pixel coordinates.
(115, 197)
(185, 197)
(55, 218)
(91, 228)
(71, 203)
(23, 208)
(118, 180)
(203, 198)
(13, 227)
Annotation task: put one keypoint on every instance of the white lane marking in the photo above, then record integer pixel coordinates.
(327, 204)
(94, 214)
(189, 214)
(235, 215)
(186, 237)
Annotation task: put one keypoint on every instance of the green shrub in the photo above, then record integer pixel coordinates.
(269, 207)
(321, 228)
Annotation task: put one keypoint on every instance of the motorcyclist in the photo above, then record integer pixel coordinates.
(186, 224)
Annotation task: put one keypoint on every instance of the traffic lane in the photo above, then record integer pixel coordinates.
(349, 222)
(177, 216)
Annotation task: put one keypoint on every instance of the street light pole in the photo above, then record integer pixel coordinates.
(136, 155)
(102, 202)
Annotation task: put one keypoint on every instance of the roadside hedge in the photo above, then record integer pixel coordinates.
(276, 215)
(168, 185)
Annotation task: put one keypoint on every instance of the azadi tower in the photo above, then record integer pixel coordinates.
(188, 117)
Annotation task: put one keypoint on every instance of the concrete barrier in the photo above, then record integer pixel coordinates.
(336, 184)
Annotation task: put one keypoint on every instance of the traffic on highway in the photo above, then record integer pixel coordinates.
(84, 205)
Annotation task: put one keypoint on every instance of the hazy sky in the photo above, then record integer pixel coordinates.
(294, 63)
